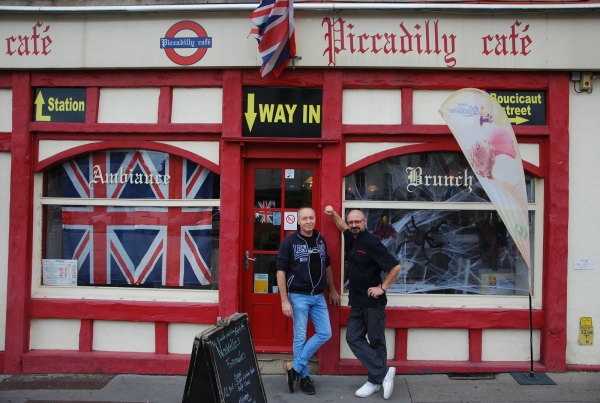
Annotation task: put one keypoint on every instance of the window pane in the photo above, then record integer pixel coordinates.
(136, 246)
(451, 251)
(298, 187)
(266, 234)
(265, 273)
(433, 177)
(267, 188)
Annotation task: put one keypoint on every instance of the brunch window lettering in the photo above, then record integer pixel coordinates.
(416, 178)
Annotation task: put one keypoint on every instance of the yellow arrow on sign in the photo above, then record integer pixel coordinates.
(250, 115)
(518, 120)
(39, 104)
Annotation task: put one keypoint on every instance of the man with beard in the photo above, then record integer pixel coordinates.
(367, 258)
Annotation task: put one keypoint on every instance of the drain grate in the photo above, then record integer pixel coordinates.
(56, 381)
(473, 377)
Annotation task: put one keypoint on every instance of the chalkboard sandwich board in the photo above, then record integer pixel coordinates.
(223, 366)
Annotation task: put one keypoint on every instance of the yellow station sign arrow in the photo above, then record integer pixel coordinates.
(39, 105)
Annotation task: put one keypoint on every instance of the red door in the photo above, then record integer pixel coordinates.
(274, 189)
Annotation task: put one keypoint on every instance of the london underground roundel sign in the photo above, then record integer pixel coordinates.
(201, 42)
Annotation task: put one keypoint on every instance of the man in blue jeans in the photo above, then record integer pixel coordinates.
(303, 273)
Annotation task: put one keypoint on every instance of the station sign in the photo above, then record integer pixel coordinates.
(522, 107)
(60, 105)
(282, 112)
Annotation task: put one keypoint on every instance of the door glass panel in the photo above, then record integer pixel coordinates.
(265, 278)
(266, 234)
(267, 188)
(298, 187)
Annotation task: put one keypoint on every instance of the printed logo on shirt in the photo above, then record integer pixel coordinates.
(301, 252)
(361, 251)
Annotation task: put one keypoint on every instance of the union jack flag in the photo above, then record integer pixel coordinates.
(264, 216)
(275, 33)
(152, 246)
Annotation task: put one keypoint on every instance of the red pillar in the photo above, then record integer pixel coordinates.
(231, 185)
(21, 209)
(332, 174)
(554, 339)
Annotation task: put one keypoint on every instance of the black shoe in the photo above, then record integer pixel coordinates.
(291, 374)
(306, 385)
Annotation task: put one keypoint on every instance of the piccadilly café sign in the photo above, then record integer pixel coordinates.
(353, 40)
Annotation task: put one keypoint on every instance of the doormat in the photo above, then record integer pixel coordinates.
(56, 381)
(472, 377)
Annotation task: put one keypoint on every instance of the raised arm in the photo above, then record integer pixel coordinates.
(339, 221)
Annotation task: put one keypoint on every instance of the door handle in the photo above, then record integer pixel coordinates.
(247, 259)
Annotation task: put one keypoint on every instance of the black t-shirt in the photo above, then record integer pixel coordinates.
(367, 258)
(314, 257)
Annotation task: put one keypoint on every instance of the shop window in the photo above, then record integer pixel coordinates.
(133, 218)
(431, 212)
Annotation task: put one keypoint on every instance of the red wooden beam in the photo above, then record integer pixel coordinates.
(165, 103)
(231, 204)
(556, 223)
(161, 338)
(125, 79)
(20, 228)
(456, 318)
(5, 79)
(353, 367)
(126, 128)
(131, 311)
(5, 141)
(101, 362)
(288, 78)
(86, 335)
(444, 80)
(332, 168)
(475, 344)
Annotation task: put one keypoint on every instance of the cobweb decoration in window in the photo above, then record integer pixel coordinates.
(441, 251)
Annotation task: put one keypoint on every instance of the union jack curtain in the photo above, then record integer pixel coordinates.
(147, 246)
(275, 33)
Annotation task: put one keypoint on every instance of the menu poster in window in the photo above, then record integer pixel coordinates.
(223, 366)
(59, 272)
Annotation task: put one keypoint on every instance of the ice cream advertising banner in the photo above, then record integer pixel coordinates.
(486, 138)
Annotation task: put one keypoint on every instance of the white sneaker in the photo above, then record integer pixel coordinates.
(367, 390)
(388, 383)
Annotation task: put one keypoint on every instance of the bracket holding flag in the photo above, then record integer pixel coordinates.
(276, 35)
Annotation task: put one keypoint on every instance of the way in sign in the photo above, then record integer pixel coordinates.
(281, 113)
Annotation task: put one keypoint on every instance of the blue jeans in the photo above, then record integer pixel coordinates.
(315, 307)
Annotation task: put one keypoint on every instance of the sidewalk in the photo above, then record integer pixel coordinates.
(570, 387)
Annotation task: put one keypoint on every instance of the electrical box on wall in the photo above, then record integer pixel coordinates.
(585, 83)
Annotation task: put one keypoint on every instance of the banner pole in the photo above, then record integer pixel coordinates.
(531, 372)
